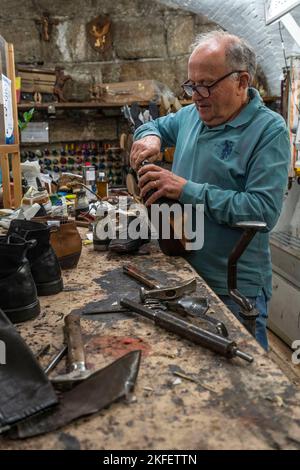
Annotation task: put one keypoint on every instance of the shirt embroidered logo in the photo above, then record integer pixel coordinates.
(225, 149)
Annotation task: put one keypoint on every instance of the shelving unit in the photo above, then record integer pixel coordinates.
(11, 197)
(72, 105)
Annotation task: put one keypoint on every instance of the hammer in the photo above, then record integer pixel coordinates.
(76, 356)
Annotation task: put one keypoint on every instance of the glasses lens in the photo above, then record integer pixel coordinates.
(188, 89)
(203, 91)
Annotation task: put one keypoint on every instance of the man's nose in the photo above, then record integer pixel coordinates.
(196, 96)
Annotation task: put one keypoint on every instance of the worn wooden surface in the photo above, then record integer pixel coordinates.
(230, 405)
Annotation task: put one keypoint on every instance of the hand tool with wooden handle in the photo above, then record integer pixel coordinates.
(76, 356)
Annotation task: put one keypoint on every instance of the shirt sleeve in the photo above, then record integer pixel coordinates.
(166, 128)
(266, 181)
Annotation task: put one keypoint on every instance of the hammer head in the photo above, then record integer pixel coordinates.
(71, 379)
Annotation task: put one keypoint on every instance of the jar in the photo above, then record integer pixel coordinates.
(102, 185)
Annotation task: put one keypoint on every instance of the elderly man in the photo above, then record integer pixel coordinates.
(232, 155)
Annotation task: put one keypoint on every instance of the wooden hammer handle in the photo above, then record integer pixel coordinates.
(76, 354)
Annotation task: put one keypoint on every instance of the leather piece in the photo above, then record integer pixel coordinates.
(65, 239)
(95, 393)
(25, 390)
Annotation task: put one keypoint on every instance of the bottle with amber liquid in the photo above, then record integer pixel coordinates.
(102, 185)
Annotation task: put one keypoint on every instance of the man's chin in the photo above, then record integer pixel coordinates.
(205, 114)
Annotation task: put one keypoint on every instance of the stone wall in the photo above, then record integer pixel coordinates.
(149, 41)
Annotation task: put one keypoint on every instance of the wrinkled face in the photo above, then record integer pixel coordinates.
(206, 65)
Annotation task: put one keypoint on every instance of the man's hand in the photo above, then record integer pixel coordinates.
(164, 182)
(146, 148)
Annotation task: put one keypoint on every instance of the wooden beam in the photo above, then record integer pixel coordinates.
(7, 200)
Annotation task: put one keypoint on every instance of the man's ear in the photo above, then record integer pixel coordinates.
(244, 80)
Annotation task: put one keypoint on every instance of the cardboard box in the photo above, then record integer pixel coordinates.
(127, 92)
(36, 80)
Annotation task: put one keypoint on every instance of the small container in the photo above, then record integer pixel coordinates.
(101, 238)
(81, 203)
(102, 185)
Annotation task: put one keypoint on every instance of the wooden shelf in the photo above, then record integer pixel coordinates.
(74, 105)
(11, 148)
(12, 193)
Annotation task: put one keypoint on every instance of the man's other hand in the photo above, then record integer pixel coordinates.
(147, 148)
(164, 182)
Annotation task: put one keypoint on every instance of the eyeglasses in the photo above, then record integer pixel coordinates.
(204, 91)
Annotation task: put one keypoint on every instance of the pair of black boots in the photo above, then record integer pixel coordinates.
(28, 268)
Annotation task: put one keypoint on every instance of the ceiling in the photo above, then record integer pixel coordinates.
(246, 19)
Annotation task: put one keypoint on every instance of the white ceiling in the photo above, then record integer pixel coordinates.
(246, 18)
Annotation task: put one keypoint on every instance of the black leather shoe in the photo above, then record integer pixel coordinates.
(43, 261)
(123, 243)
(18, 294)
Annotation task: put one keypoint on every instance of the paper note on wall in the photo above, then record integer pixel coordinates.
(7, 109)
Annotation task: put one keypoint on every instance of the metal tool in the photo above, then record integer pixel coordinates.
(248, 312)
(56, 359)
(76, 356)
(187, 330)
(168, 293)
(105, 310)
(196, 307)
(181, 306)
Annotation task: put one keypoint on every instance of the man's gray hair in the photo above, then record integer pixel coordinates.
(239, 54)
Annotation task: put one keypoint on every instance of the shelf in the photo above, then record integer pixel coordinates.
(9, 148)
(74, 105)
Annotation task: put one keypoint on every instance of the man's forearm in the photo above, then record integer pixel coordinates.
(230, 207)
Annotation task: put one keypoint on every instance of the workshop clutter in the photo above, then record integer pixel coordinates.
(73, 157)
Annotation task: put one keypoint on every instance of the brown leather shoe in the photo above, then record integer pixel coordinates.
(65, 240)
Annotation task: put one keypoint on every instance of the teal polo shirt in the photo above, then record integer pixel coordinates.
(238, 171)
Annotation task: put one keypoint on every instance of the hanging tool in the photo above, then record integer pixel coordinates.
(248, 311)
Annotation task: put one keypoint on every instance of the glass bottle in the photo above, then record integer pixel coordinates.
(102, 185)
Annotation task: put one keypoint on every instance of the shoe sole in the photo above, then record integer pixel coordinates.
(50, 288)
(70, 261)
(21, 314)
(101, 246)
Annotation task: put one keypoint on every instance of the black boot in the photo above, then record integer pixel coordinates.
(18, 295)
(43, 261)
(123, 243)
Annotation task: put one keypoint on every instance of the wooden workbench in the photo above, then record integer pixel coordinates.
(230, 404)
